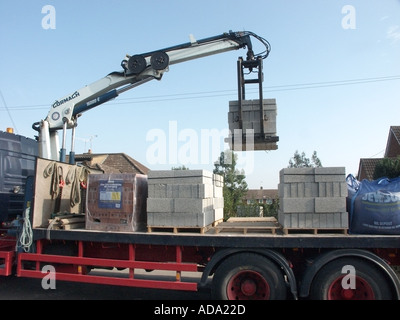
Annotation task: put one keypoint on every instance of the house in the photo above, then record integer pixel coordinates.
(393, 143)
(111, 163)
(261, 196)
(366, 166)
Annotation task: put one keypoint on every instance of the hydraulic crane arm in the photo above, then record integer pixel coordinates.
(137, 69)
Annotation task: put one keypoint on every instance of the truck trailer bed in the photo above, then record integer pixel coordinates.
(213, 238)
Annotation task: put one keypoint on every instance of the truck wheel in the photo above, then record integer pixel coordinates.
(369, 282)
(248, 276)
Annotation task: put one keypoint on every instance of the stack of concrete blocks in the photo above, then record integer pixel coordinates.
(184, 198)
(313, 198)
(251, 120)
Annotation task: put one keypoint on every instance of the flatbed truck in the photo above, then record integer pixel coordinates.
(264, 264)
(241, 266)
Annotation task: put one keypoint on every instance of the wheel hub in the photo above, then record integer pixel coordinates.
(348, 294)
(362, 291)
(248, 287)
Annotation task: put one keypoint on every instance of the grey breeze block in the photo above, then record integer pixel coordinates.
(313, 198)
(184, 198)
(251, 115)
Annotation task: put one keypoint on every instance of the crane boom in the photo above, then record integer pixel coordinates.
(137, 69)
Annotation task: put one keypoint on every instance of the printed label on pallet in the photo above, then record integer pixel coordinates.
(110, 194)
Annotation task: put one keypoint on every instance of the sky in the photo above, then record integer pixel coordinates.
(333, 68)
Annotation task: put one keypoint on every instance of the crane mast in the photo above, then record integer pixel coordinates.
(137, 70)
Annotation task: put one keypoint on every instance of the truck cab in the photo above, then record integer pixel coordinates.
(17, 162)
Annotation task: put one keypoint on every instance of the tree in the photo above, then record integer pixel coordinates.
(301, 161)
(387, 167)
(235, 186)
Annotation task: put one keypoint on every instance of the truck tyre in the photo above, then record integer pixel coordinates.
(248, 276)
(368, 282)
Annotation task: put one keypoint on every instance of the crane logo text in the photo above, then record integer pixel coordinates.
(58, 103)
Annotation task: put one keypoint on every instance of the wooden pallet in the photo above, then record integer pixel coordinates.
(67, 222)
(180, 229)
(314, 230)
(247, 224)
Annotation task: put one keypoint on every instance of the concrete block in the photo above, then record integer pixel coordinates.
(199, 191)
(296, 205)
(332, 189)
(309, 220)
(252, 116)
(182, 180)
(150, 218)
(179, 177)
(295, 175)
(330, 170)
(284, 219)
(192, 173)
(193, 205)
(160, 219)
(344, 192)
(291, 220)
(345, 219)
(233, 117)
(218, 192)
(218, 202)
(283, 190)
(310, 189)
(330, 178)
(189, 219)
(158, 190)
(301, 222)
(298, 190)
(181, 191)
(252, 105)
(327, 204)
(247, 125)
(218, 214)
(183, 219)
(206, 191)
(337, 219)
(160, 205)
(323, 220)
(296, 171)
(296, 178)
(329, 220)
(270, 127)
(316, 220)
(330, 174)
(218, 180)
(156, 174)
